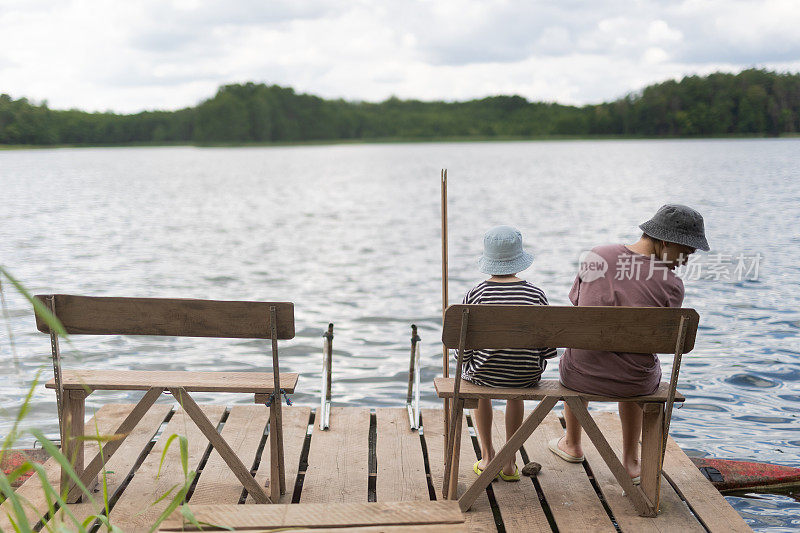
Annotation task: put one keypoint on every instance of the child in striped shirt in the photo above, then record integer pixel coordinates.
(503, 257)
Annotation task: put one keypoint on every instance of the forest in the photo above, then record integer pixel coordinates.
(753, 102)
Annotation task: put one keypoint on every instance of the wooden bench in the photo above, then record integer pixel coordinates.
(613, 329)
(179, 318)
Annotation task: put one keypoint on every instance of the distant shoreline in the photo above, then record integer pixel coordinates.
(752, 103)
(333, 142)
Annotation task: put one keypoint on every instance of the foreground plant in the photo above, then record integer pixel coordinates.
(55, 500)
(59, 517)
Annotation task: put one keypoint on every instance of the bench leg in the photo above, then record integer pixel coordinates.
(72, 446)
(450, 489)
(643, 506)
(446, 427)
(223, 448)
(277, 482)
(90, 473)
(509, 450)
(652, 438)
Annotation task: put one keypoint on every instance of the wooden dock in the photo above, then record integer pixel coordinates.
(373, 456)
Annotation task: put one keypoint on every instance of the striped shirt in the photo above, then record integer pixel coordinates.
(506, 368)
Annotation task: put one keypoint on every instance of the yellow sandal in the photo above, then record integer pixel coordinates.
(479, 471)
(512, 477)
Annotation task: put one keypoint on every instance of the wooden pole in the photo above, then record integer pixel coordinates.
(413, 376)
(277, 470)
(324, 413)
(329, 365)
(411, 364)
(51, 303)
(445, 362)
(454, 439)
(673, 383)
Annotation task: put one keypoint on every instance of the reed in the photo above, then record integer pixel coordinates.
(56, 498)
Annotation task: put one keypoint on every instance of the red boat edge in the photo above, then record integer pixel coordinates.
(13, 459)
(736, 476)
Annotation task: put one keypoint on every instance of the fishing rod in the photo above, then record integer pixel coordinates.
(445, 361)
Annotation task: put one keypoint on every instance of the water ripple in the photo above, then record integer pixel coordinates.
(350, 234)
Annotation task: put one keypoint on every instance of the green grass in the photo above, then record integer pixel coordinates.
(17, 504)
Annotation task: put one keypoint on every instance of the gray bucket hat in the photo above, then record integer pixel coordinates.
(503, 253)
(677, 223)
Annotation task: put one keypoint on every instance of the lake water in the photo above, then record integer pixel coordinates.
(350, 234)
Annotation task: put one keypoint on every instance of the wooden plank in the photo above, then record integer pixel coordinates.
(566, 487)
(706, 502)
(338, 459)
(589, 426)
(89, 474)
(318, 515)
(250, 382)
(529, 424)
(436, 528)
(134, 511)
(243, 431)
(613, 329)
(123, 460)
(401, 466)
(518, 502)
(546, 387)
(480, 517)
(674, 515)
(106, 421)
(175, 317)
(295, 427)
(209, 429)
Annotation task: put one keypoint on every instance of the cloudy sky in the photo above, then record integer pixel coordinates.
(166, 54)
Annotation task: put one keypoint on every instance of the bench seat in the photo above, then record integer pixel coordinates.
(546, 387)
(250, 382)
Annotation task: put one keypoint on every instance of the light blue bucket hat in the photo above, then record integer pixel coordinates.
(503, 253)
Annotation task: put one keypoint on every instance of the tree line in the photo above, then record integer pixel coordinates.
(753, 102)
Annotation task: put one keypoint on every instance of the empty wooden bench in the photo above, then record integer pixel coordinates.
(178, 318)
(613, 329)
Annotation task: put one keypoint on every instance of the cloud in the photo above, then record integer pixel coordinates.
(129, 56)
(165, 39)
(182, 23)
(740, 32)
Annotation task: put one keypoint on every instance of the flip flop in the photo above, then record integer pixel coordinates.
(479, 471)
(553, 446)
(512, 477)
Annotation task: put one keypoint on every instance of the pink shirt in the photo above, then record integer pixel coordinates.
(625, 283)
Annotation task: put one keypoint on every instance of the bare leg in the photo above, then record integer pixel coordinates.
(515, 409)
(571, 443)
(483, 422)
(630, 414)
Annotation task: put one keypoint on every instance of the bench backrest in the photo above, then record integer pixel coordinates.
(612, 329)
(174, 317)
